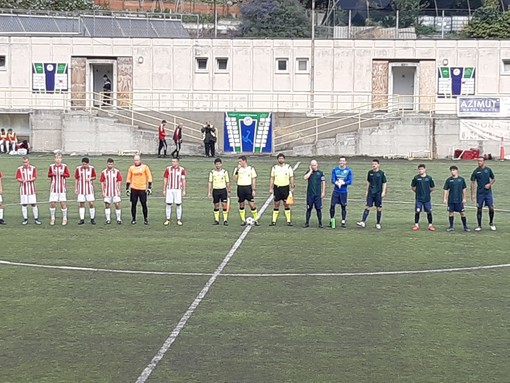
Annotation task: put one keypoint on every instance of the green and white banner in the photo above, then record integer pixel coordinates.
(456, 81)
(50, 77)
(248, 132)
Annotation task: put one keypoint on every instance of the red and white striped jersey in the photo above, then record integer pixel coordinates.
(85, 176)
(57, 175)
(175, 177)
(110, 180)
(23, 174)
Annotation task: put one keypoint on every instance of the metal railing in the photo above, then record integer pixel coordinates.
(344, 122)
(146, 119)
(312, 104)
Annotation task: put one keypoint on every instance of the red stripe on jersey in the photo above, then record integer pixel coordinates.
(58, 175)
(111, 178)
(175, 177)
(23, 174)
(85, 176)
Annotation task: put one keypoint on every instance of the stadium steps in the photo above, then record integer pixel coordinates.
(147, 133)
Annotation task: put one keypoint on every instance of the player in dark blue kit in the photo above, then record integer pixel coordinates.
(483, 178)
(341, 177)
(315, 192)
(423, 184)
(376, 191)
(455, 197)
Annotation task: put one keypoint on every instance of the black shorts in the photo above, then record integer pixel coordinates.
(281, 193)
(244, 193)
(219, 195)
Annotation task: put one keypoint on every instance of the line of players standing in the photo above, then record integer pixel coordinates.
(454, 194)
(282, 185)
(138, 186)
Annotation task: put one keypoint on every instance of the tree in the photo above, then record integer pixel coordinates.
(488, 22)
(53, 5)
(274, 19)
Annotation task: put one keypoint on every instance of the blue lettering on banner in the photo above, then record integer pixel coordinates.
(479, 105)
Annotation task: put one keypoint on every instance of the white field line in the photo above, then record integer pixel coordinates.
(189, 312)
(371, 273)
(258, 275)
(94, 269)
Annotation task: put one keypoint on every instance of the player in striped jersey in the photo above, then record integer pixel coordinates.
(219, 191)
(174, 188)
(26, 176)
(110, 179)
(84, 189)
(57, 173)
(2, 222)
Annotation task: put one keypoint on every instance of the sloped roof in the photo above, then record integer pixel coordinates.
(91, 26)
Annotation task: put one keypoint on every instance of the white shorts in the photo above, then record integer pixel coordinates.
(85, 197)
(174, 196)
(1, 200)
(110, 200)
(27, 199)
(58, 197)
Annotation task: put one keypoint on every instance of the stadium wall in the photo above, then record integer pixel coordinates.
(159, 70)
(418, 136)
(356, 71)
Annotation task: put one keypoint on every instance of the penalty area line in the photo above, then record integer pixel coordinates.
(201, 295)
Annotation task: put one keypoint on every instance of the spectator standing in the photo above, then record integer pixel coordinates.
(162, 139)
(209, 138)
(177, 137)
(107, 90)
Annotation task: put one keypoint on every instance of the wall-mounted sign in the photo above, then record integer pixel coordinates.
(484, 130)
(248, 132)
(49, 77)
(483, 106)
(456, 81)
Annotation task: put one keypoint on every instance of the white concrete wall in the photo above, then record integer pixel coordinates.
(46, 130)
(341, 66)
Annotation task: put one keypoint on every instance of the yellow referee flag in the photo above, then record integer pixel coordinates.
(228, 204)
(290, 199)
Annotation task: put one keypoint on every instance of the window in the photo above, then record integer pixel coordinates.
(202, 63)
(282, 65)
(2, 62)
(506, 66)
(302, 65)
(221, 63)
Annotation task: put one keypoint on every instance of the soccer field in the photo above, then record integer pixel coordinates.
(256, 304)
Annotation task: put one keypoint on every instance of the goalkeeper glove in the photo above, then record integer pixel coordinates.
(128, 193)
(149, 191)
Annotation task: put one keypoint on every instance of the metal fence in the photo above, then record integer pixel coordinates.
(391, 24)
